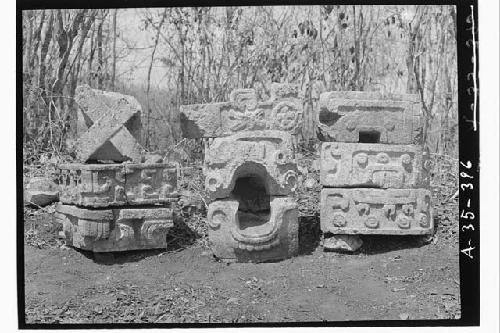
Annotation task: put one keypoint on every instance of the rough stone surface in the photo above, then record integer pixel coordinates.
(373, 165)
(202, 120)
(309, 183)
(265, 154)
(112, 230)
(41, 191)
(104, 185)
(109, 126)
(376, 211)
(253, 237)
(342, 243)
(283, 111)
(354, 116)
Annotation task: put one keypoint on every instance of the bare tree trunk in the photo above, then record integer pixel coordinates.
(157, 38)
(99, 52)
(29, 39)
(113, 68)
(43, 55)
(91, 58)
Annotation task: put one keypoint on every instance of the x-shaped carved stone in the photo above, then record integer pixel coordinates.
(113, 126)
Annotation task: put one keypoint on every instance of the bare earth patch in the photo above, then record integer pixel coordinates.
(390, 278)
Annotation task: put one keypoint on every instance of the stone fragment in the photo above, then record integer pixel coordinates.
(109, 126)
(41, 191)
(373, 165)
(202, 120)
(105, 185)
(267, 155)
(342, 243)
(366, 117)
(309, 183)
(376, 211)
(112, 230)
(283, 111)
(236, 233)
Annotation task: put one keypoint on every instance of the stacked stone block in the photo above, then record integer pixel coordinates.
(250, 172)
(113, 200)
(375, 175)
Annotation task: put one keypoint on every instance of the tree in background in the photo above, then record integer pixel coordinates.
(205, 52)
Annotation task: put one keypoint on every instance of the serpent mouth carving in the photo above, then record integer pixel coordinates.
(254, 229)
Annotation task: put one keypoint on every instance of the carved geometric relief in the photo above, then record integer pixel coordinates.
(111, 230)
(373, 165)
(109, 126)
(237, 235)
(267, 154)
(283, 111)
(103, 185)
(376, 211)
(367, 117)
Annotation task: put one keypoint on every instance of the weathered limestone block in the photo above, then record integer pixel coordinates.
(373, 165)
(376, 211)
(112, 230)
(41, 191)
(267, 155)
(244, 236)
(243, 112)
(109, 126)
(354, 116)
(104, 185)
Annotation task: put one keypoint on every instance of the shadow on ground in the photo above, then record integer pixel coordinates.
(376, 244)
(309, 234)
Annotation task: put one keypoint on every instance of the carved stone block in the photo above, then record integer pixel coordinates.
(267, 155)
(283, 111)
(109, 126)
(41, 191)
(366, 117)
(112, 230)
(245, 236)
(376, 211)
(104, 185)
(373, 165)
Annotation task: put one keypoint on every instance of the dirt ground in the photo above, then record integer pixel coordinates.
(389, 278)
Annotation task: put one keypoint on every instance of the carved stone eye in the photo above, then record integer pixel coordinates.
(423, 220)
(428, 165)
(371, 222)
(383, 158)
(212, 183)
(403, 221)
(339, 220)
(405, 159)
(218, 217)
(362, 159)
